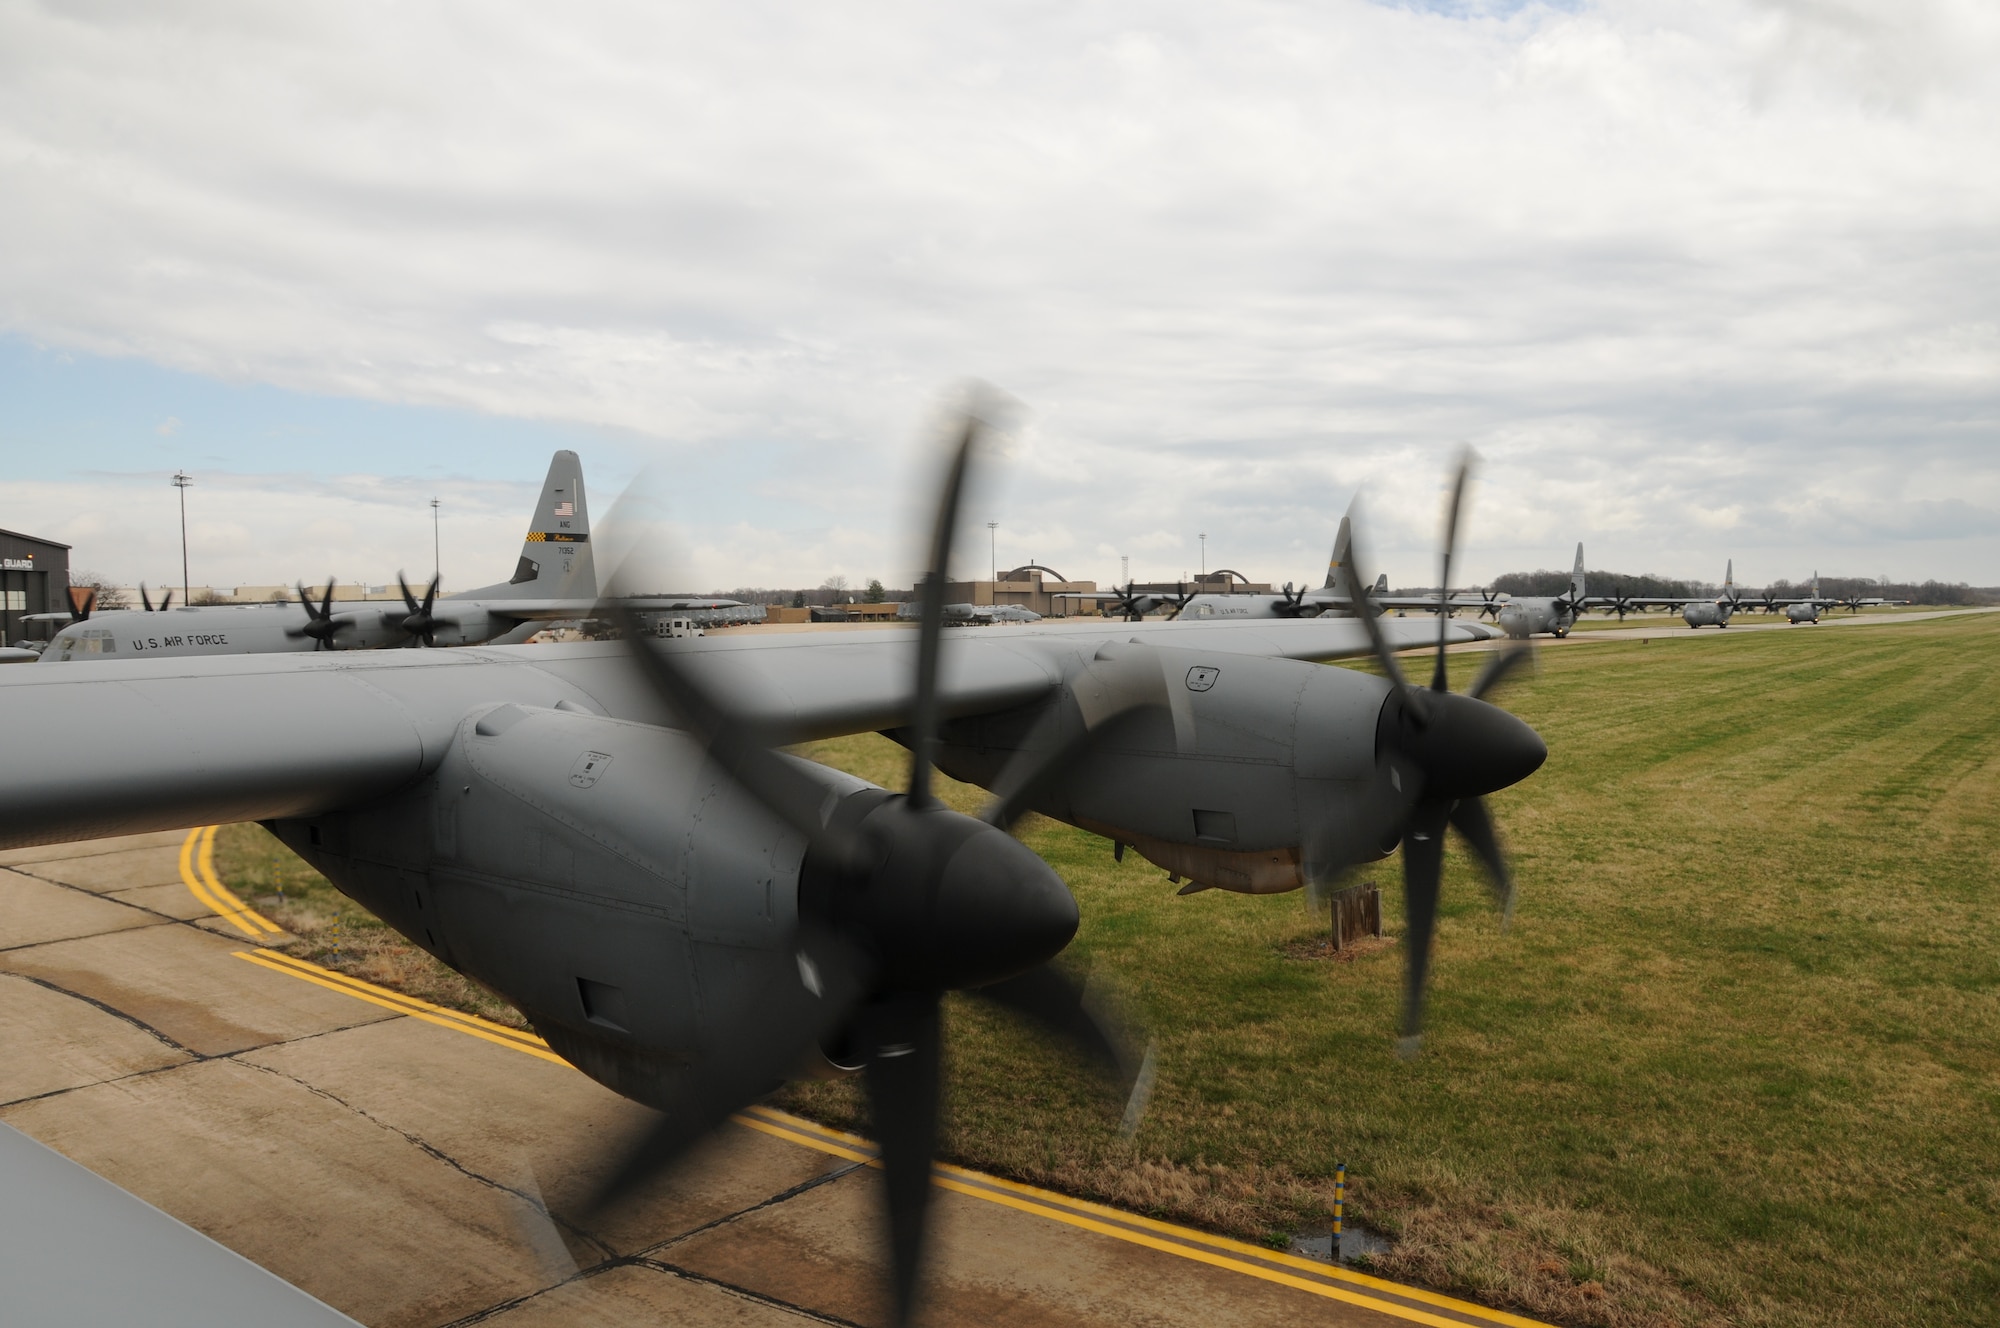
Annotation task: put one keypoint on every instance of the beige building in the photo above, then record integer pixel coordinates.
(1033, 587)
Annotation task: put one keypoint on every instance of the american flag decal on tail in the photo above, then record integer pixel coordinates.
(565, 509)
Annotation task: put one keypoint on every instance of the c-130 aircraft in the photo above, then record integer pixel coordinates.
(605, 833)
(555, 579)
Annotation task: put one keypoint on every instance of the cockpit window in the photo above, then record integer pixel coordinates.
(89, 641)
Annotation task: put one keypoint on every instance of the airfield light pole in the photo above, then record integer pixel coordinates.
(992, 550)
(181, 481)
(1203, 537)
(437, 560)
(1125, 568)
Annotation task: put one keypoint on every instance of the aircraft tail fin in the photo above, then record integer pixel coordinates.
(1382, 584)
(555, 557)
(1333, 563)
(1729, 575)
(1576, 591)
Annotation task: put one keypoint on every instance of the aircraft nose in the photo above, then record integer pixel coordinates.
(1000, 910)
(1466, 749)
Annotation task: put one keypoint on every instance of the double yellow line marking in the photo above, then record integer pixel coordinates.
(1284, 1269)
(513, 1039)
(198, 872)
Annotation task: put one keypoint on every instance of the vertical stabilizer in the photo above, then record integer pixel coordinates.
(555, 557)
(1333, 563)
(1729, 575)
(1576, 592)
(1382, 584)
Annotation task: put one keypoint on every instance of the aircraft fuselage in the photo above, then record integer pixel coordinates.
(1522, 618)
(1708, 614)
(238, 629)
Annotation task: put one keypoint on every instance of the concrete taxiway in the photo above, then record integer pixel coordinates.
(400, 1161)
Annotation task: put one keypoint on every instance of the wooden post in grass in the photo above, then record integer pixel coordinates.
(1357, 912)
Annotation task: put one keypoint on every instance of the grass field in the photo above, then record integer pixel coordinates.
(1737, 1060)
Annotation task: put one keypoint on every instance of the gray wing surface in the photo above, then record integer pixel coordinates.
(137, 745)
(76, 1249)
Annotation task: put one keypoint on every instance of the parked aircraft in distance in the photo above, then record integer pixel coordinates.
(1329, 598)
(1807, 608)
(971, 615)
(609, 835)
(554, 580)
(1524, 616)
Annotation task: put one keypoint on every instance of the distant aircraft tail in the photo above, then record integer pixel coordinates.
(555, 558)
(1729, 575)
(1382, 584)
(1576, 592)
(1333, 563)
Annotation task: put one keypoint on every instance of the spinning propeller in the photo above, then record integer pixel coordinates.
(1437, 755)
(1620, 604)
(146, 601)
(419, 623)
(1291, 604)
(900, 901)
(1129, 605)
(320, 623)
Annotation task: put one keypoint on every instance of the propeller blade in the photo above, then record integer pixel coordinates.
(757, 1047)
(1503, 663)
(790, 794)
(1438, 682)
(1358, 599)
(326, 600)
(902, 1074)
(167, 601)
(1060, 1005)
(409, 598)
(1471, 819)
(1030, 773)
(1423, 868)
(924, 716)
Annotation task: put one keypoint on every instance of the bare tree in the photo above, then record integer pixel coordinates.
(109, 597)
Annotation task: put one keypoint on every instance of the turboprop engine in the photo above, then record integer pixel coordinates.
(1250, 774)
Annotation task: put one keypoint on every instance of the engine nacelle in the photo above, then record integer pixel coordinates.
(604, 876)
(1246, 775)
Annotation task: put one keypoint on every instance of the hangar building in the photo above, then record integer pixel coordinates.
(34, 578)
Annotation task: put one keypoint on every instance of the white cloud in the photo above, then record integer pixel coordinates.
(1661, 262)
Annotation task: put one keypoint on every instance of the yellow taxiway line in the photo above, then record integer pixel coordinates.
(198, 874)
(1320, 1279)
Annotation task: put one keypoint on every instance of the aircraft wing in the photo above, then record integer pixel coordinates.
(552, 610)
(154, 744)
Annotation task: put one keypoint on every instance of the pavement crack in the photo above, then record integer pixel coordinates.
(783, 1196)
(534, 1202)
(112, 1010)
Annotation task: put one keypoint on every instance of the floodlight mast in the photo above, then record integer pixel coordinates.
(181, 481)
(437, 559)
(992, 550)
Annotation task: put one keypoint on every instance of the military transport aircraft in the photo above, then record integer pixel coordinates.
(554, 580)
(606, 834)
(1329, 598)
(1807, 608)
(1522, 616)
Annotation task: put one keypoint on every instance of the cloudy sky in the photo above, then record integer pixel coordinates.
(1698, 280)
